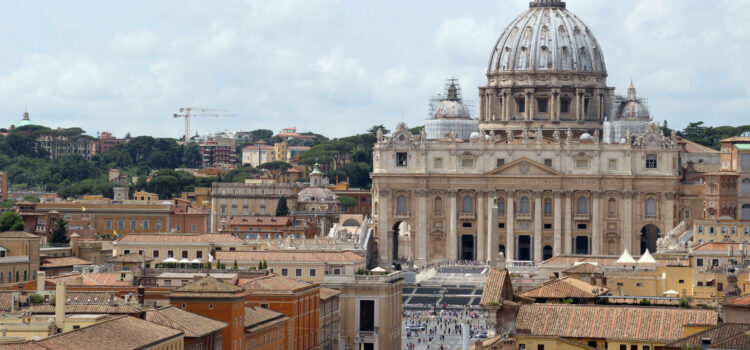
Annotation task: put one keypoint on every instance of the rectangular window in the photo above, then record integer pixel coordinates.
(184, 254)
(541, 104)
(467, 162)
(501, 225)
(298, 272)
(547, 208)
(540, 347)
(500, 162)
(521, 103)
(177, 228)
(170, 253)
(133, 224)
(401, 158)
(120, 224)
(194, 228)
(313, 272)
(140, 251)
(734, 230)
(565, 105)
(155, 253)
(639, 284)
(145, 224)
(651, 161)
(284, 272)
(367, 315)
(687, 214)
(582, 163)
(157, 225)
(582, 226)
(700, 229)
(199, 254)
(501, 207)
(108, 224)
(466, 225)
(612, 164)
(547, 226)
(698, 262)
(681, 281)
(438, 163)
(126, 251)
(548, 162)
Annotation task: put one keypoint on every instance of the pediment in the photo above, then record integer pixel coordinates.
(525, 167)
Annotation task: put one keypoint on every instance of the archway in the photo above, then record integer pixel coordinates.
(351, 223)
(524, 248)
(649, 235)
(546, 252)
(467, 247)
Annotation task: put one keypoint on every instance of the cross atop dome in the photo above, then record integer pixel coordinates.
(547, 3)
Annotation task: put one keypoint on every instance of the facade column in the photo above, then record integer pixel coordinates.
(668, 212)
(568, 228)
(506, 103)
(556, 110)
(421, 232)
(492, 229)
(557, 224)
(537, 226)
(384, 232)
(532, 106)
(596, 224)
(481, 222)
(452, 250)
(510, 233)
(527, 106)
(626, 237)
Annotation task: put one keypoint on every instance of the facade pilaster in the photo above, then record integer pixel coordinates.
(557, 224)
(492, 229)
(451, 242)
(568, 228)
(384, 234)
(668, 211)
(481, 233)
(537, 226)
(421, 232)
(596, 223)
(626, 237)
(510, 233)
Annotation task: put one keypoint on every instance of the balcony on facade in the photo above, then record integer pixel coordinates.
(466, 215)
(581, 216)
(523, 216)
(401, 215)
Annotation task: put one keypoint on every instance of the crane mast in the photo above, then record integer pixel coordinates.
(188, 112)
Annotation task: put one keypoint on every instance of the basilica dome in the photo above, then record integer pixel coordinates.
(632, 107)
(547, 37)
(452, 107)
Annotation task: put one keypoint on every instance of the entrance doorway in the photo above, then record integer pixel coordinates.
(582, 245)
(649, 235)
(467, 247)
(524, 248)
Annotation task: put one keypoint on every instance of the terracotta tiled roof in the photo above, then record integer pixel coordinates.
(208, 287)
(584, 268)
(297, 256)
(718, 334)
(6, 300)
(122, 333)
(17, 234)
(22, 346)
(496, 288)
(742, 300)
(567, 287)
(260, 220)
(90, 279)
(193, 325)
(706, 167)
(258, 317)
(326, 293)
(273, 283)
(130, 258)
(180, 238)
(737, 139)
(576, 345)
(611, 322)
(63, 262)
(92, 297)
(693, 147)
(122, 309)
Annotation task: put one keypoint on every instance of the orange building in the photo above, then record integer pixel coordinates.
(218, 300)
(265, 329)
(251, 227)
(186, 218)
(296, 300)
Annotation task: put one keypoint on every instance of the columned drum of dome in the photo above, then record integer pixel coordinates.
(547, 70)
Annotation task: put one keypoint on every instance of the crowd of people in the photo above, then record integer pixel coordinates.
(429, 329)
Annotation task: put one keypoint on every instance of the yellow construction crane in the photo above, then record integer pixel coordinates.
(188, 112)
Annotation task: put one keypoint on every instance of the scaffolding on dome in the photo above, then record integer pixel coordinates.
(438, 128)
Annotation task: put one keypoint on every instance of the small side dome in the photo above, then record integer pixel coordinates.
(586, 137)
(474, 136)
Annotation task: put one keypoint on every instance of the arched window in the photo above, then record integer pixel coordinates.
(525, 207)
(612, 207)
(468, 205)
(651, 207)
(746, 212)
(547, 207)
(401, 205)
(501, 207)
(438, 206)
(746, 185)
(583, 205)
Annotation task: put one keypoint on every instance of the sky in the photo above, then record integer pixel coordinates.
(337, 67)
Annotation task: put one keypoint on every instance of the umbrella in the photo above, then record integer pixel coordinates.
(378, 269)
(169, 260)
(196, 261)
(672, 292)
(184, 261)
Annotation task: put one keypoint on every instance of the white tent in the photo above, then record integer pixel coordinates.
(646, 258)
(671, 292)
(378, 269)
(184, 261)
(169, 260)
(196, 261)
(626, 258)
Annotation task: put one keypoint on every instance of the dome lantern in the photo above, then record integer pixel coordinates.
(547, 3)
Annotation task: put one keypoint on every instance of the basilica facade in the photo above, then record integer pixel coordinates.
(535, 179)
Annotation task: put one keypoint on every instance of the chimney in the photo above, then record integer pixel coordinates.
(141, 294)
(41, 280)
(60, 301)
(705, 342)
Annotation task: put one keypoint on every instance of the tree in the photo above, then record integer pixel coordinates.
(281, 208)
(11, 221)
(234, 266)
(192, 157)
(265, 265)
(275, 168)
(260, 265)
(59, 234)
(347, 202)
(374, 129)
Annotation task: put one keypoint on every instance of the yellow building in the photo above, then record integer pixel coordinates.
(145, 196)
(19, 256)
(732, 231)
(308, 266)
(190, 247)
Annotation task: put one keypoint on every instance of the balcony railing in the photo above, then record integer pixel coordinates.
(522, 216)
(54, 245)
(401, 215)
(367, 334)
(466, 215)
(582, 216)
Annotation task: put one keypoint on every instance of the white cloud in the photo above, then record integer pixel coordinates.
(139, 43)
(336, 65)
(466, 37)
(397, 76)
